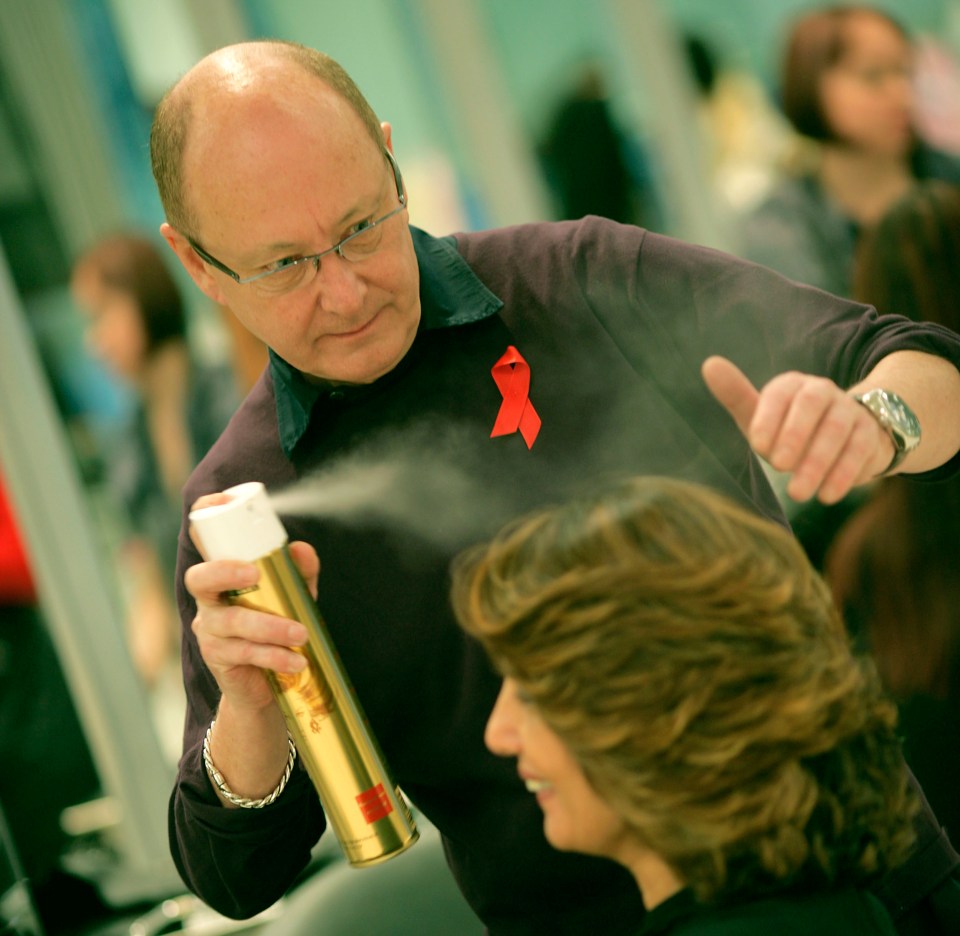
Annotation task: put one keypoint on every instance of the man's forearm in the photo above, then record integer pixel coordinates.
(250, 750)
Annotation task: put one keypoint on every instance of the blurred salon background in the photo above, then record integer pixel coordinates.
(116, 374)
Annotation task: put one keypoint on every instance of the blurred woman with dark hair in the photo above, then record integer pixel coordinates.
(895, 564)
(846, 86)
(137, 327)
(681, 697)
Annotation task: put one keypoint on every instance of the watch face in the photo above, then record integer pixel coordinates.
(901, 415)
(895, 416)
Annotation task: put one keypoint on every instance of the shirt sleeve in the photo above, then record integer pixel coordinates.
(704, 302)
(240, 861)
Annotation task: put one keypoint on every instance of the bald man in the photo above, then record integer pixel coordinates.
(285, 203)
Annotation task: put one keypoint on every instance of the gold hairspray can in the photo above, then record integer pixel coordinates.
(362, 803)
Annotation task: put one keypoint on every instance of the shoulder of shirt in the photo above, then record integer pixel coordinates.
(250, 438)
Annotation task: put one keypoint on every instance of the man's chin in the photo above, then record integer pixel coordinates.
(366, 357)
(365, 370)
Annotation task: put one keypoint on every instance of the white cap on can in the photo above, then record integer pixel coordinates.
(244, 528)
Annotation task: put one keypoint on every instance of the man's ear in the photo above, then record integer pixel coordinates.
(388, 142)
(198, 270)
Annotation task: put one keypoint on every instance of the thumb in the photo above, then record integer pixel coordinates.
(732, 388)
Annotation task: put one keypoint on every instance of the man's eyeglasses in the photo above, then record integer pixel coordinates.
(287, 274)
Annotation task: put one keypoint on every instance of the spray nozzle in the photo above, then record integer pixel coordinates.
(245, 528)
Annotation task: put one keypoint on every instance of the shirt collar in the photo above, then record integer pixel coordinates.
(450, 295)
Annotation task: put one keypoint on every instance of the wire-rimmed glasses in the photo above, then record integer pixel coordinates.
(291, 272)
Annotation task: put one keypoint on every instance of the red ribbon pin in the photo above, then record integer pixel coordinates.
(512, 377)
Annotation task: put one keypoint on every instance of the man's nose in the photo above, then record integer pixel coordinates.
(501, 735)
(342, 288)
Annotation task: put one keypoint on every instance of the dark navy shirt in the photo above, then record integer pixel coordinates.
(840, 912)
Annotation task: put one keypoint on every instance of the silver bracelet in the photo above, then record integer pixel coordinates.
(232, 797)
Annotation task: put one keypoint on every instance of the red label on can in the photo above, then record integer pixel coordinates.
(374, 804)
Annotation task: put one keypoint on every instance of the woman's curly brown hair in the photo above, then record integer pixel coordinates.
(693, 661)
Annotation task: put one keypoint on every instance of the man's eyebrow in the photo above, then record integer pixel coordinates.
(260, 255)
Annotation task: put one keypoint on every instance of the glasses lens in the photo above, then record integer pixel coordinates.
(364, 242)
(287, 277)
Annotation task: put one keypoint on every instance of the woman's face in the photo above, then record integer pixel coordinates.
(115, 332)
(575, 818)
(867, 96)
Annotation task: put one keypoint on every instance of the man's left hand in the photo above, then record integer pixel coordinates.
(806, 426)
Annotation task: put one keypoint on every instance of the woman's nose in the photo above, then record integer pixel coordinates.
(501, 735)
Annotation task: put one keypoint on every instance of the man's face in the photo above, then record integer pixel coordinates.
(278, 179)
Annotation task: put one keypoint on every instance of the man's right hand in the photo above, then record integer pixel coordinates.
(249, 743)
(237, 643)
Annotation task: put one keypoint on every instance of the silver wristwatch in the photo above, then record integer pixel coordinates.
(896, 418)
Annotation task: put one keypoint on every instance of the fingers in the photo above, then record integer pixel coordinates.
(733, 390)
(207, 500)
(210, 500)
(850, 468)
(207, 581)
(237, 623)
(225, 655)
(825, 444)
(806, 426)
(810, 428)
(232, 636)
(794, 410)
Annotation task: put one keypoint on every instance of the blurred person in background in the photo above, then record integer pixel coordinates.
(680, 696)
(895, 564)
(137, 326)
(846, 86)
(591, 164)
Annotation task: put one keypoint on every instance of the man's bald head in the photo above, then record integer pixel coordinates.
(230, 73)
